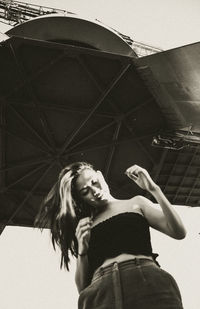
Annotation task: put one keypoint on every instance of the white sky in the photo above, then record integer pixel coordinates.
(160, 23)
(29, 270)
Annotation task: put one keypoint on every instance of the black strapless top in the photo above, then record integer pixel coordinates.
(123, 233)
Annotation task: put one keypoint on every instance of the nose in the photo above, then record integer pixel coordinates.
(95, 191)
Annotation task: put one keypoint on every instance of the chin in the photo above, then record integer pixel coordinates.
(101, 205)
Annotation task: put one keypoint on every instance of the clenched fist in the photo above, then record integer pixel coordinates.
(141, 177)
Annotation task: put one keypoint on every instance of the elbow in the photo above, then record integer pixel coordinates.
(80, 288)
(80, 285)
(181, 234)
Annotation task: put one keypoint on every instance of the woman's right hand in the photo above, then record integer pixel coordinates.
(83, 235)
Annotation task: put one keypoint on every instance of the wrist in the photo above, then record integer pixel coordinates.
(154, 189)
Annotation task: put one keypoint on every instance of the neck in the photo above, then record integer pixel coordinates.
(98, 210)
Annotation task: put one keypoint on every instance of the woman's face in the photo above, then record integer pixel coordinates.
(92, 188)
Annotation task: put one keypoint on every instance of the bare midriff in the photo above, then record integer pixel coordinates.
(125, 257)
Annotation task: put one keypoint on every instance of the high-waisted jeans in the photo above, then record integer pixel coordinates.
(132, 284)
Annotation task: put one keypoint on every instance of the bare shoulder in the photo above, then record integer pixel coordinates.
(142, 200)
(142, 203)
(137, 203)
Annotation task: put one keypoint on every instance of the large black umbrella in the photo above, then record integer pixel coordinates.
(62, 103)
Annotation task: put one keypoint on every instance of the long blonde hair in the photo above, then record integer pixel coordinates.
(62, 209)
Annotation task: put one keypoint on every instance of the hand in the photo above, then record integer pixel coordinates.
(141, 177)
(83, 234)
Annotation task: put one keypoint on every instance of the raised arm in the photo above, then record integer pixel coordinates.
(165, 219)
(83, 237)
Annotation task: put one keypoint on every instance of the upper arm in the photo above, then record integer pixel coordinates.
(154, 215)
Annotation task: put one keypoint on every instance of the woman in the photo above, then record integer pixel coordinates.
(110, 238)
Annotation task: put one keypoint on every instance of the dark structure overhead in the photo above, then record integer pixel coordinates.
(76, 31)
(63, 103)
(174, 79)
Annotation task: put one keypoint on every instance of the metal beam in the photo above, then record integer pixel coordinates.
(25, 122)
(194, 196)
(180, 164)
(97, 104)
(157, 167)
(42, 118)
(138, 107)
(39, 193)
(108, 125)
(24, 164)
(193, 186)
(91, 135)
(100, 146)
(112, 149)
(175, 175)
(172, 169)
(32, 77)
(64, 108)
(22, 178)
(185, 173)
(3, 129)
(27, 197)
(118, 112)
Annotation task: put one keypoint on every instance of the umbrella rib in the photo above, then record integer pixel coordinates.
(27, 197)
(91, 75)
(140, 144)
(34, 76)
(60, 107)
(138, 107)
(22, 178)
(2, 128)
(29, 127)
(107, 126)
(39, 193)
(91, 135)
(35, 100)
(98, 103)
(25, 163)
(133, 139)
(112, 149)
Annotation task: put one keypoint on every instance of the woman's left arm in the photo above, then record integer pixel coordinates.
(166, 219)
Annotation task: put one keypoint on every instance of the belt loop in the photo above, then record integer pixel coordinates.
(115, 266)
(101, 271)
(118, 297)
(137, 261)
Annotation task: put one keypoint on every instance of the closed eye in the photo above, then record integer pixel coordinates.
(84, 191)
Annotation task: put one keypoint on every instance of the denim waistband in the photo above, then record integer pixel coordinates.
(103, 270)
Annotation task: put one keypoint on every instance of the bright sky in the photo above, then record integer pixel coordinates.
(160, 23)
(29, 269)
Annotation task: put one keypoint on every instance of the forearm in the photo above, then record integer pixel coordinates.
(173, 220)
(81, 275)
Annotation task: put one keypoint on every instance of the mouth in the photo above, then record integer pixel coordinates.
(100, 196)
